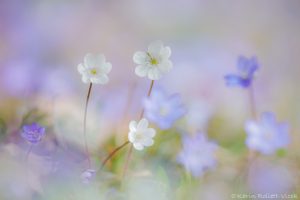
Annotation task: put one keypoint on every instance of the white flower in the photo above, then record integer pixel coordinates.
(140, 135)
(94, 69)
(87, 175)
(153, 63)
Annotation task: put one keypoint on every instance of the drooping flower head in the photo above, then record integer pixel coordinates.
(33, 133)
(267, 135)
(246, 71)
(162, 109)
(94, 69)
(87, 176)
(140, 135)
(154, 62)
(197, 155)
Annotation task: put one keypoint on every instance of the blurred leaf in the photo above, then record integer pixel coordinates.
(163, 176)
(33, 115)
(3, 127)
(281, 152)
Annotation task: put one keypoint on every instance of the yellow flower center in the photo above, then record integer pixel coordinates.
(93, 71)
(153, 61)
(139, 136)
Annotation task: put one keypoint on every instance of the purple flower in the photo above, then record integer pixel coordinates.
(162, 109)
(246, 70)
(197, 154)
(33, 133)
(267, 135)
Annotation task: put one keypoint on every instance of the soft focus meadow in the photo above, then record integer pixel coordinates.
(137, 99)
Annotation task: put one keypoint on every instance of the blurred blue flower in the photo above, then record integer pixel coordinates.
(267, 135)
(162, 109)
(33, 133)
(246, 70)
(197, 154)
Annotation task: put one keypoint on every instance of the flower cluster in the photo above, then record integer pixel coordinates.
(153, 63)
(267, 135)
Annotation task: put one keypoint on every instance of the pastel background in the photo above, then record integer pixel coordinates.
(41, 44)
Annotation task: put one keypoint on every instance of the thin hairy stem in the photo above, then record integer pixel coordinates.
(112, 154)
(148, 95)
(251, 154)
(252, 102)
(28, 152)
(84, 125)
(127, 160)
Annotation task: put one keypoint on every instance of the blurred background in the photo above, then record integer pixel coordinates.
(42, 42)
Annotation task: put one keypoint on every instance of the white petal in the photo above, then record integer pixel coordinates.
(131, 136)
(132, 125)
(138, 146)
(155, 47)
(143, 124)
(154, 74)
(90, 60)
(106, 68)
(148, 142)
(102, 79)
(100, 59)
(165, 66)
(150, 132)
(141, 70)
(165, 52)
(140, 57)
(85, 79)
(81, 68)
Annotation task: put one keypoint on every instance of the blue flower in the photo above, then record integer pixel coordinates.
(267, 135)
(162, 109)
(197, 155)
(33, 133)
(246, 70)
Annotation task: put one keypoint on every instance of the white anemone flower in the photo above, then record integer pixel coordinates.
(94, 69)
(140, 135)
(154, 62)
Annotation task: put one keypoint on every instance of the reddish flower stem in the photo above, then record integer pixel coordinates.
(112, 154)
(84, 126)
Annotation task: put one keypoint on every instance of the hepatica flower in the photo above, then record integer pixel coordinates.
(197, 155)
(266, 135)
(154, 62)
(246, 71)
(94, 69)
(162, 109)
(140, 135)
(33, 133)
